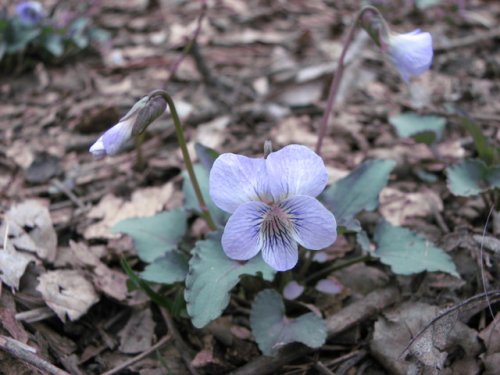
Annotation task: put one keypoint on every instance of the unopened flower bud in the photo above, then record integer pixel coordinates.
(140, 116)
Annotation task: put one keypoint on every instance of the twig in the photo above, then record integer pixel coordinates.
(28, 354)
(72, 197)
(468, 41)
(137, 358)
(35, 315)
(187, 49)
(322, 369)
(184, 350)
(346, 318)
(337, 266)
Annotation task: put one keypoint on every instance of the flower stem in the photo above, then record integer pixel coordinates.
(337, 266)
(334, 87)
(205, 213)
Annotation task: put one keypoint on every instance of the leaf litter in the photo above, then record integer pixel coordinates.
(49, 118)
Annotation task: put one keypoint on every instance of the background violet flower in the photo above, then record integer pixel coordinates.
(411, 53)
(30, 12)
(273, 205)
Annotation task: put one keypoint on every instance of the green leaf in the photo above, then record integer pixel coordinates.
(272, 328)
(168, 269)
(357, 192)
(18, 36)
(424, 129)
(54, 44)
(77, 32)
(156, 235)
(407, 252)
(485, 151)
(206, 155)
(190, 201)
(141, 284)
(211, 277)
(471, 177)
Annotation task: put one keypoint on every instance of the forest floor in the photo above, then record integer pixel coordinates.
(268, 69)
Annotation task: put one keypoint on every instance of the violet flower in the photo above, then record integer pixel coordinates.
(273, 205)
(411, 53)
(30, 12)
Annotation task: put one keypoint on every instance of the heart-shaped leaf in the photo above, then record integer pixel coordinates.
(155, 235)
(190, 201)
(471, 177)
(424, 129)
(357, 192)
(211, 277)
(273, 329)
(206, 155)
(168, 269)
(408, 253)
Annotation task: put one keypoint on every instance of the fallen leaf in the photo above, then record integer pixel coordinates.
(31, 229)
(111, 282)
(398, 206)
(137, 335)
(67, 292)
(8, 318)
(397, 327)
(491, 336)
(212, 134)
(111, 209)
(13, 265)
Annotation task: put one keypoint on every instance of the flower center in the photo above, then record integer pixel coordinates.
(276, 223)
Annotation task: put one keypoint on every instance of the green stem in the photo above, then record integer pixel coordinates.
(337, 266)
(338, 76)
(205, 213)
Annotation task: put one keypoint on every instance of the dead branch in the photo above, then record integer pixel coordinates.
(28, 354)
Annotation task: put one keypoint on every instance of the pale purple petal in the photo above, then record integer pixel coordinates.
(279, 249)
(411, 53)
(236, 179)
(97, 149)
(115, 138)
(295, 170)
(313, 225)
(292, 290)
(241, 237)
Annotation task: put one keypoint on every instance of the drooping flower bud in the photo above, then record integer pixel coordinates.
(411, 53)
(140, 116)
(30, 12)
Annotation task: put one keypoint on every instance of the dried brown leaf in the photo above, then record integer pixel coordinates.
(67, 292)
(13, 265)
(397, 206)
(137, 335)
(111, 209)
(31, 229)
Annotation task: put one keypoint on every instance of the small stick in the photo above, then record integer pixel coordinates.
(187, 49)
(72, 197)
(28, 354)
(137, 358)
(184, 350)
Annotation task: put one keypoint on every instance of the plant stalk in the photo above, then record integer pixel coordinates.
(205, 213)
(334, 87)
(337, 266)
